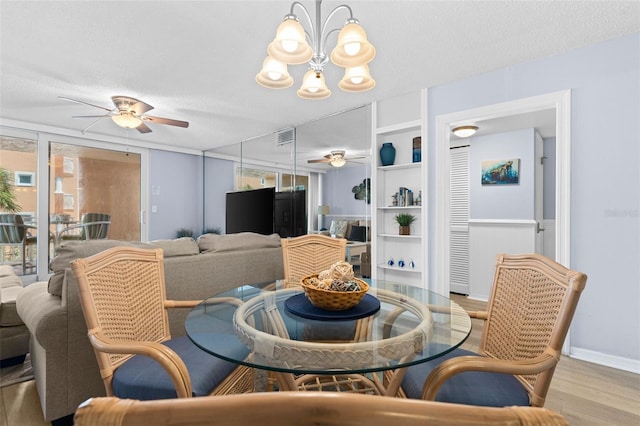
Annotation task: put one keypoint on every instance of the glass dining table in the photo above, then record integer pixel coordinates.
(273, 327)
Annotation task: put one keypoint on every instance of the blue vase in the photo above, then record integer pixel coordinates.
(387, 154)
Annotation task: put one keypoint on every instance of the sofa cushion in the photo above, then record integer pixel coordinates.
(213, 243)
(71, 250)
(185, 246)
(6, 270)
(10, 287)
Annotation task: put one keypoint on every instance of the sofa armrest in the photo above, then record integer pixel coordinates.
(42, 313)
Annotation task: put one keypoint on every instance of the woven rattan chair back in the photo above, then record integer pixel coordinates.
(310, 254)
(304, 408)
(122, 292)
(531, 306)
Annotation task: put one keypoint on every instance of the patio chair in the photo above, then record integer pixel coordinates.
(532, 302)
(92, 226)
(122, 294)
(302, 409)
(13, 231)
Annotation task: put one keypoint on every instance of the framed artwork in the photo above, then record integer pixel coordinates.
(501, 172)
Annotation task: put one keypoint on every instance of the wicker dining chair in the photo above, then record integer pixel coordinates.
(532, 303)
(304, 409)
(122, 293)
(310, 254)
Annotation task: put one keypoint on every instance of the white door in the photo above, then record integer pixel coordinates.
(539, 192)
(459, 226)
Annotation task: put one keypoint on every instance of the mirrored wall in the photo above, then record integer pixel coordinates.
(319, 172)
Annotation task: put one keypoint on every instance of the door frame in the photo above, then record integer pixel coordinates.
(561, 102)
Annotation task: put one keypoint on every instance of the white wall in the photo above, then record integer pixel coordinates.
(605, 180)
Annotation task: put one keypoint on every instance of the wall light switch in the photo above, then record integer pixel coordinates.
(154, 209)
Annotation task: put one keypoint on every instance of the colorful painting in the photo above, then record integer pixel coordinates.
(501, 172)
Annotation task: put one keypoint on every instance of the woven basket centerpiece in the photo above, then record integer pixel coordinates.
(335, 289)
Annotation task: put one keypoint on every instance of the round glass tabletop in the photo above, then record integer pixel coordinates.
(251, 325)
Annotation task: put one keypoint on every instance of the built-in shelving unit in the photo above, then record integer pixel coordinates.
(387, 244)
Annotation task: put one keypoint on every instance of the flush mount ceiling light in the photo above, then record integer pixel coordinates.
(464, 131)
(293, 45)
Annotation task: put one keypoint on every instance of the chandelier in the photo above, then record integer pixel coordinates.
(290, 47)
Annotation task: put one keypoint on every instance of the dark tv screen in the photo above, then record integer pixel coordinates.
(250, 211)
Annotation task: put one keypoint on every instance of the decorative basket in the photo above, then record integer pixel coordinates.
(333, 300)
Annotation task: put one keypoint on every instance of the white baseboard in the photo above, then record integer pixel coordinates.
(626, 364)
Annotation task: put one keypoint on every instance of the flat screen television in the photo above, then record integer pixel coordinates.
(250, 211)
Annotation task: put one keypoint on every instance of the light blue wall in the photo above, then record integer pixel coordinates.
(218, 181)
(337, 184)
(510, 202)
(605, 180)
(176, 191)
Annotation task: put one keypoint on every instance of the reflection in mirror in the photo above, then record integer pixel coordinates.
(326, 163)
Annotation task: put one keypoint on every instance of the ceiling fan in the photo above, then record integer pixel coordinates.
(336, 158)
(128, 113)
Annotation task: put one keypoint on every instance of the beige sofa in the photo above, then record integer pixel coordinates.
(64, 364)
(14, 336)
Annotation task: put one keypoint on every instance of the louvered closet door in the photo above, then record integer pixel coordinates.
(459, 232)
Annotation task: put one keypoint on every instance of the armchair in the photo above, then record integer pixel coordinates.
(123, 298)
(532, 303)
(302, 409)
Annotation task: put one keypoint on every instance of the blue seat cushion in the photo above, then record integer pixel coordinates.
(143, 378)
(472, 388)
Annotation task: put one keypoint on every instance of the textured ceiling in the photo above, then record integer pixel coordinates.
(197, 60)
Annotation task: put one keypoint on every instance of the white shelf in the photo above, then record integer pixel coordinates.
(399, 128)
(399, 208)
(397, 268)
(400, 167)
(408, 237)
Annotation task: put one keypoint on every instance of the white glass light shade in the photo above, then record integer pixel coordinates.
(357, 79)
(274, 74)
(290, 45)
(314, 86)
(338, 162)
(127, 120)
(464, 131)
(352, 48)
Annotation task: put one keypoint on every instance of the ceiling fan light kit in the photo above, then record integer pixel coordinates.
(290, 47)
(127, 120)
(464, 131)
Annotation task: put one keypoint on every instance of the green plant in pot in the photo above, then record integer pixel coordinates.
(405, 220)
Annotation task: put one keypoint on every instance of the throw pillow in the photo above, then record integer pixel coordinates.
(72, 250)
(213, 243)
(358, 233)
(338, 228)
(185, 246)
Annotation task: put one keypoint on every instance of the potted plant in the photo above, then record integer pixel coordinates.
(405, 220)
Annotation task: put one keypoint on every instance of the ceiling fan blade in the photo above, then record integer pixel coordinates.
(84, 103)
(140, 108)
(143, 128)
(319, 160)
(160, 120)
(89, 116)
(354, 158)
(95, 122)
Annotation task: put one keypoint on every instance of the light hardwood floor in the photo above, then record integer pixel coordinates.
(586, 394)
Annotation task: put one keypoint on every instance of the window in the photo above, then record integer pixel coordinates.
(25, 179)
